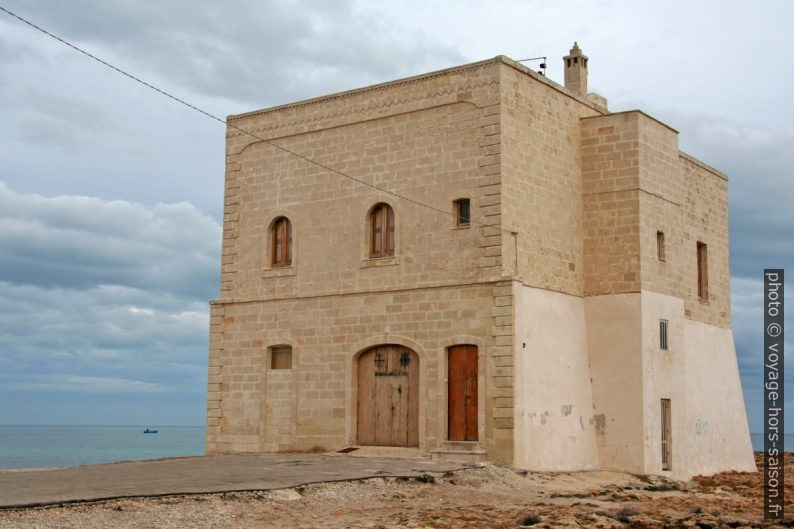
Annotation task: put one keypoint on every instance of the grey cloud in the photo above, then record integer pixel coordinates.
(78, 384)
(747, 308)
(14, 51)
(115, 333)
(60, 119)
(105, 297)
(261, 52)
(79, 242)
(81, 128)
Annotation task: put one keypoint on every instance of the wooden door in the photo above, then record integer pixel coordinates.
(462, 401)
(667, 449)
(388, 397)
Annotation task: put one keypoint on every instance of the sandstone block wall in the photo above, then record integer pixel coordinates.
(706, 216)
(611, 160)
(635, 183)
(541, 182)
(313, 405)
(432, 140)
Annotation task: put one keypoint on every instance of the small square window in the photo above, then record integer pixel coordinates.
(281, 357)
(663, 345)
(462, 212)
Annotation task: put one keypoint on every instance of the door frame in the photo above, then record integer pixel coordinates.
(351, 385)
(403, 428)
(467, 423)
(443, 386)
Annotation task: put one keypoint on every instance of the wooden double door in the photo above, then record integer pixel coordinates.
(462, 397)
(388, 397)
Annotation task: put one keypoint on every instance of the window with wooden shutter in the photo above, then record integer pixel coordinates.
(667, 442)
(703, 271)
(462, 212)
(660, 245)
(381, 222)
(663, 345)
(281, 357)
(282, 242)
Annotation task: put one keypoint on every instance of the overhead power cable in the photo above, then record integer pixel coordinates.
(232, 125)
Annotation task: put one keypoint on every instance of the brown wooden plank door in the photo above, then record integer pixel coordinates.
(462, 402)
(388, 397)
(667, 449)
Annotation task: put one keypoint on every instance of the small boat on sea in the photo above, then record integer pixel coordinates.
(147, 430)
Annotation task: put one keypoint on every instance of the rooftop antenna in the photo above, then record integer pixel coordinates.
(542, 65)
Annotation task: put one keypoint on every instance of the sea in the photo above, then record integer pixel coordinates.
(69, 446)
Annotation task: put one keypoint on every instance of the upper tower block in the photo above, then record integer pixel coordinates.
(576, 71)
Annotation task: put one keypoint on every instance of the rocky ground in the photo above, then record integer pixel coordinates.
(488, 497)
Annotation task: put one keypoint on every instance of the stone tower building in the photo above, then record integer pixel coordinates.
(480, 263)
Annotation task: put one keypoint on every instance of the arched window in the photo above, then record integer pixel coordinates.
(381, 227)
(282, 242)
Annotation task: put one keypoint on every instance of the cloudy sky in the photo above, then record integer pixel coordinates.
(111, 194)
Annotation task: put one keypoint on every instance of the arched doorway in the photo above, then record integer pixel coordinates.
(388, 396)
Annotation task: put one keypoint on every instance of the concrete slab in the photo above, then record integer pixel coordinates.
(195, 475)
(385, 452)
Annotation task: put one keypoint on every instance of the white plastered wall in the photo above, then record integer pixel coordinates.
(614, 343)
(664, 373)
(554, 418)
(717, 434)
(590, 379)
(700, 375)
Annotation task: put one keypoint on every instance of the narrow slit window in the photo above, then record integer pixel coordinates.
(663, 345)
(703, 271)
(281, 357)
(462, 212)
(660, 245)
(667, 441)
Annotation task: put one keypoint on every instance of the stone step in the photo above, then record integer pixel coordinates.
(459, 452)
(471, 457)
(468, 446)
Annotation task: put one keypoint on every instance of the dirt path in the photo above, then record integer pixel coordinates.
(488, 497)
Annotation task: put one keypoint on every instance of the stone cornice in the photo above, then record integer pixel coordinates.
(357, 105)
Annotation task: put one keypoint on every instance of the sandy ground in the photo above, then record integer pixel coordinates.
(488, 497)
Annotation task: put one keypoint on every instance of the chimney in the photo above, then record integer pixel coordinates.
(576, 71)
